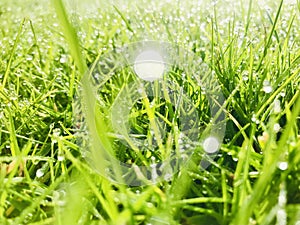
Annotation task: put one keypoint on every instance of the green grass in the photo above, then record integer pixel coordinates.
(253, 50)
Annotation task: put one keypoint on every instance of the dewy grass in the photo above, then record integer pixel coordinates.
(253, 51)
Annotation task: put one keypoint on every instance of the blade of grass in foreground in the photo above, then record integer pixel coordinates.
(70, 35)
(88, 96)
(95, 124)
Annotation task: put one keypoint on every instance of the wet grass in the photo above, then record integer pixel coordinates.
(252, 49)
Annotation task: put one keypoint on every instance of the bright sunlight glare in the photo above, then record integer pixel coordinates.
(149, 65)
(211, 144)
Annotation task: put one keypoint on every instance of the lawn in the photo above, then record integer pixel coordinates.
(207, 132)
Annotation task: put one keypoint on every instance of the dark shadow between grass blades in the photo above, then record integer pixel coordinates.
(138, 131)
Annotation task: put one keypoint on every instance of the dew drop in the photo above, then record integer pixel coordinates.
(60, 158)
(276, 127)
(56, 132)
(267, 88)
(29, 57)
(283, 165)
(254, 119)
(180, 141)
(277, 106)
(39, 173)
(245, 75)
(13, 98)
(63, 59)
(282, 94)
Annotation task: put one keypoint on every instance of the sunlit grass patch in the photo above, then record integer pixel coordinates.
(252, 48)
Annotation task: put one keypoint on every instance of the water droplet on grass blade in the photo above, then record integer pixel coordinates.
(276, 127)
(60, 158)
(283, 165)
(282, 94)
(254, 119)
(63, 59)
(29, 57)
(245, 75)
(277, 106)
(267, 88)
(39, 173)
